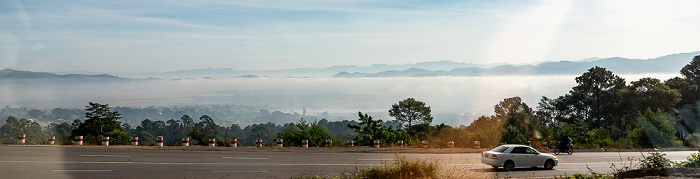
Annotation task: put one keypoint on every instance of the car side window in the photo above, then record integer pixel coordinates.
(518, 150)
(531, 151)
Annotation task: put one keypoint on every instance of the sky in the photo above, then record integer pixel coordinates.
(157, 36)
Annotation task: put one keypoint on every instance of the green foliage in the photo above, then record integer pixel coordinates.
(118, 137)
(14, 127)
(302, 130)
(146, 138)
(369, 130)
(655, 130)
(693, 161)
(100, 122)
(61, 132)
(599, 137)
(655, 160)
(694, 139)
(410, 111)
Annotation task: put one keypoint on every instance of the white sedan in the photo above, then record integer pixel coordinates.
(511, 156)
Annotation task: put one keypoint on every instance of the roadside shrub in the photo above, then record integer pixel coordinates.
(655, 160)
(403, 169)
(693, 161)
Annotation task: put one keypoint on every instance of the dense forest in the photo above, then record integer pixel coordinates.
(602, 110)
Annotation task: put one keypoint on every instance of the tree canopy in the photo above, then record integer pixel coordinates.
(410, 111)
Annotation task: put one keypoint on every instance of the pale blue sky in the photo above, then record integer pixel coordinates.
(156, 36)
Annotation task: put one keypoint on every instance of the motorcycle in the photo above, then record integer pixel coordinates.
(568, 148)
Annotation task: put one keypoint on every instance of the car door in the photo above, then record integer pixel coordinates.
(519, 156)
(533, 158)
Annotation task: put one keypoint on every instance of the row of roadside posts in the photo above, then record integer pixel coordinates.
(234, 142)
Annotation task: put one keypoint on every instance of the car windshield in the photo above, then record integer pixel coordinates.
(500, 149)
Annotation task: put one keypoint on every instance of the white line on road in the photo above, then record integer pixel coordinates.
(110, 162)
(247, 158)
(237, 171)
(82, 170)
(375, 159)
(105, 156)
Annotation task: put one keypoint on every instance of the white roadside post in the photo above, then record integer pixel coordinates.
(351, 143)
(21, 138)
(280, 143)
(134, 140)
(305, 143)
(186, 141)
(329, 142)
(78, 140)
(376, 143)
(234, 142)
(159, 141)
(212, 142)
(52, 140)
(258, 142)
(105, 141)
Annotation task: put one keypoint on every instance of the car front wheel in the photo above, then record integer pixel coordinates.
(549, 164)
(509, 165)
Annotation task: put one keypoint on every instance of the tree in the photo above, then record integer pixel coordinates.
(655, 130)
(14, 127)
(689, 91)
(100, 122)
(61, 131)
(650, 93)
(303, 130)
(369, 130)
(692, 70)
(410, 111)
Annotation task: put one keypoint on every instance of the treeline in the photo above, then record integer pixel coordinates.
(602, 110)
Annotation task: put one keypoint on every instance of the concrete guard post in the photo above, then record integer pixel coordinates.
(105, 141)
(305, 143)
(399, 143)
(186, 141)
(351, 143)
(21, 138)
(234, 142)
(451, 144)
(134, 140)
(329, 142)
(78, 140)
(212, 142)
(52, 140)
(376, 143)
(280, 143)
(424, 143)
(159, 141)
(258, 142)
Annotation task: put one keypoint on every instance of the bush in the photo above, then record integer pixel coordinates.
(656, 160)
(403, 169)
(693, 161)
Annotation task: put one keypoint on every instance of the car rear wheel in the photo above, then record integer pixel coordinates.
(509, 165)
(549, 164)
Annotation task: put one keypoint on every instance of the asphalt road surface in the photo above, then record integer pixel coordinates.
(86, 162)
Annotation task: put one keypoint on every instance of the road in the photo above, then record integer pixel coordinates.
(86, 162)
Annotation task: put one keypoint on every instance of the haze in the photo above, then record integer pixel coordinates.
(155, 36)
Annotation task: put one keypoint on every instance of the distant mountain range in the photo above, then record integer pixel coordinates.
(664, 65)
(10, 74)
